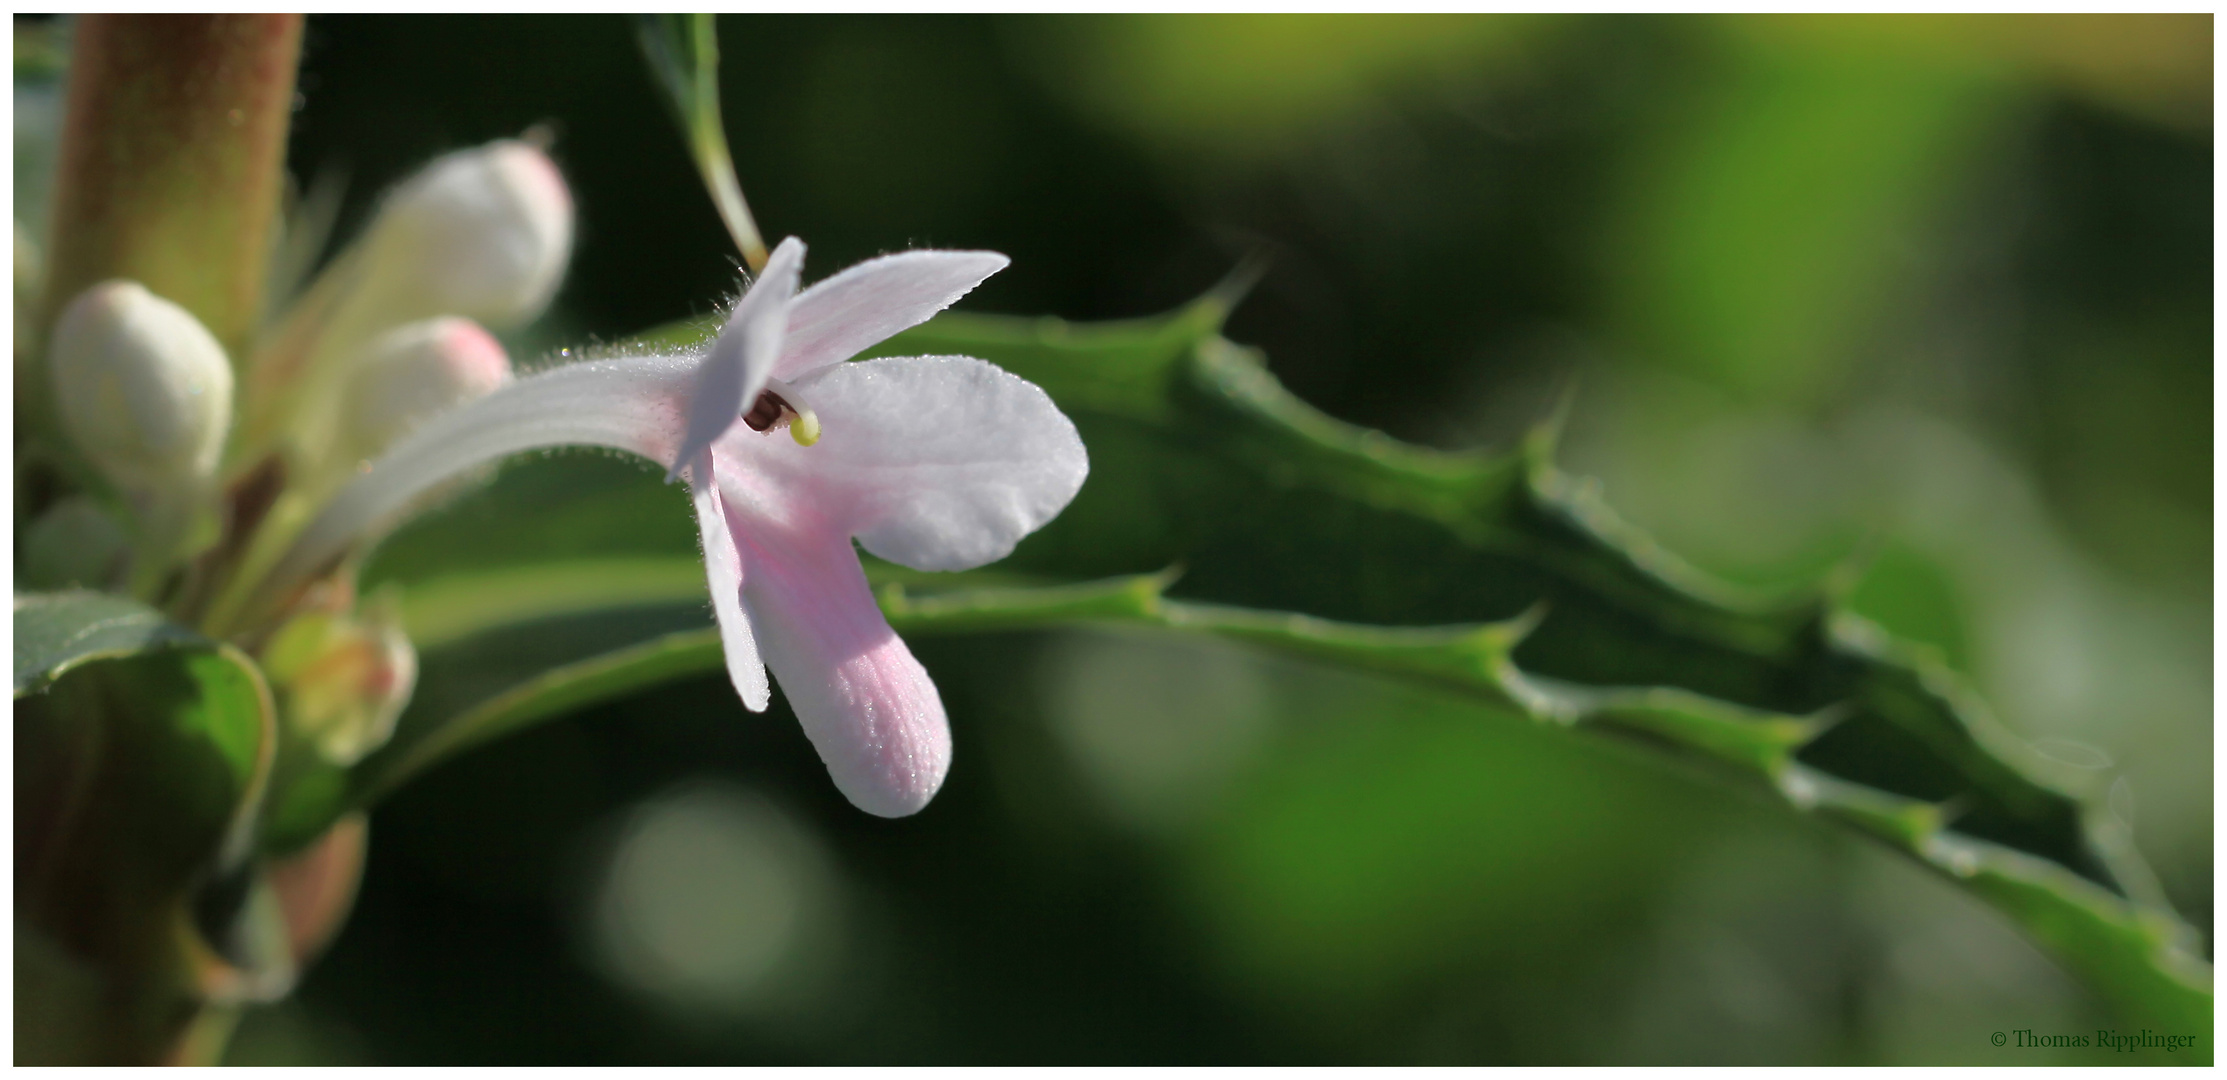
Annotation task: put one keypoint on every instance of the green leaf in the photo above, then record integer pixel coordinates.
(161, 752)
(141, 756)
(455, 607)
(2138, 957)
(1305, 534)
(542, 510)
(55, 632)
(1270, 504)
(549, 695)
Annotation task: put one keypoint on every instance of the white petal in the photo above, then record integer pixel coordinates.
(838, 318)
(869, 708)
(934, 462)
(724, 569)
(742, 357)
(631, 404)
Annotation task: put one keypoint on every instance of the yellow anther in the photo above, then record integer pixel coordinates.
(804, 426)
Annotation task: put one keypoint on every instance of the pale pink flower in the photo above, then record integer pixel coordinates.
(931, 462)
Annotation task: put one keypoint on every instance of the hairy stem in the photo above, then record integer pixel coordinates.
(170, 161)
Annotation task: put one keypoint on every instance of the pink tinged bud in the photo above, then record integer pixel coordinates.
(418, 371)
(341, 681)
(483, 233)
(145, 390)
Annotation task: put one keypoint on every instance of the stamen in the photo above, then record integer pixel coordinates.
(766, 411)
(805, 428)
(772, 410)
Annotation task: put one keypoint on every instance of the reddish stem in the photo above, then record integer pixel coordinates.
(171, 158)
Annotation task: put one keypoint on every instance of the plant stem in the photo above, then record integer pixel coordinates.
(170, 165)
(708, 138)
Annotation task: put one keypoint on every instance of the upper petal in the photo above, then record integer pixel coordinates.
(934, 462)
(869, 708)
(742, 356)
(840, 317)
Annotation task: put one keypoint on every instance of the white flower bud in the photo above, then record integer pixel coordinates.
(483, 233)
(145, 389)
(415, 372)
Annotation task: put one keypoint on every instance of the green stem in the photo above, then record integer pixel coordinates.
(683, 54)
(708, 134)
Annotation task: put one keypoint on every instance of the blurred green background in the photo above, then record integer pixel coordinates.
(1925, 302)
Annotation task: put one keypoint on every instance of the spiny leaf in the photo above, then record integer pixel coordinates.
(1305, 533)
(2138, 957)
(1270, 504)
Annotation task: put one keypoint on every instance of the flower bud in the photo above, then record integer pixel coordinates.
(483, 233)
(145, 390)
(415, 372)
(342, 681)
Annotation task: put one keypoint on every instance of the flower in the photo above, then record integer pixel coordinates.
(932, 462)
